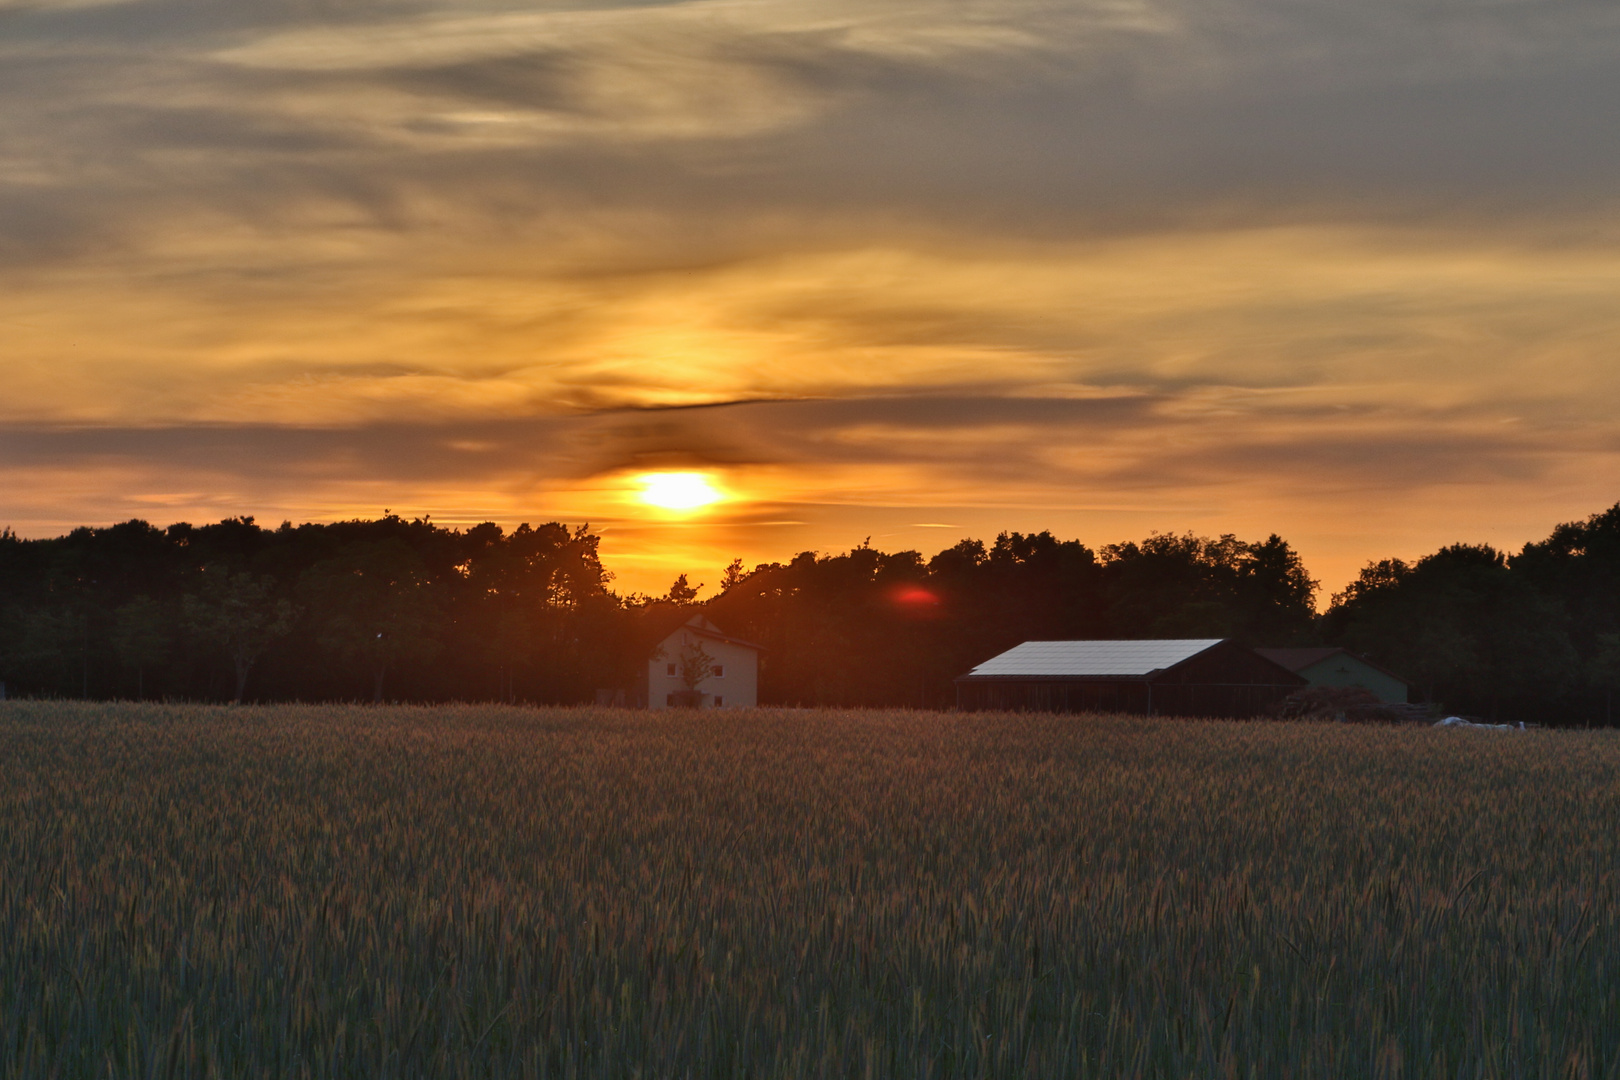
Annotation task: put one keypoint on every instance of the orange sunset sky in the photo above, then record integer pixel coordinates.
(919, 270)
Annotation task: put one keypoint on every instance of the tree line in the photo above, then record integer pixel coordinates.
(396, 609)
(385, 609)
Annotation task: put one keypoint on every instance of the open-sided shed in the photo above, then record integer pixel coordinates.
(1174, 677)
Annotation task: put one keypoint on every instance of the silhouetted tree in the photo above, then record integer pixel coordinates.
(693, 664)
(376, 606)
(142, 636)
(527, 614)
(1604, 671)
(240, 614)
(37, 646)
(1192, 586)
(1470, 631)
(682, 593)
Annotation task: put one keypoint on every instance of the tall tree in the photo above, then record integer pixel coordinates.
(1604, 671)
(240, 613)
(142, 636)
(375, 605)
(682, 593)
(1472, 632)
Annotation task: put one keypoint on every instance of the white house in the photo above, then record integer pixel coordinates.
(727, 668)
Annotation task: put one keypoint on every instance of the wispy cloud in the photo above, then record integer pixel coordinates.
(1340, 481)
(1219, 262)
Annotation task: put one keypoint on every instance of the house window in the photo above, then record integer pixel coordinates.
(669, 669)
(718, 701)
(719, 671)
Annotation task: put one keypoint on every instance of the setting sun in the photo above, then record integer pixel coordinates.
(678, 490)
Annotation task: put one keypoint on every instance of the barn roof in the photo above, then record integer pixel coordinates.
(1099, 659)
(1297, 660)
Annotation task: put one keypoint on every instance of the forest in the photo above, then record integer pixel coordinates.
(407, 610)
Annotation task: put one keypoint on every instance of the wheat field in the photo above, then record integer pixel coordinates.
(333, 891)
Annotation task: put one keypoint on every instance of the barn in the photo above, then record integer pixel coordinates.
(1166, 677)
(1333, 666)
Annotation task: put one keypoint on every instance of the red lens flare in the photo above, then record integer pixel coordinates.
(915, 596)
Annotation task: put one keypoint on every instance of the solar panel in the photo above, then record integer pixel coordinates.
(1100, 658)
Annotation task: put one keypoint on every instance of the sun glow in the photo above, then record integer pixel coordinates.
(678, 490)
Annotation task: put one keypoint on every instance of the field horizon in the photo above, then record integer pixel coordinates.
(345, 891)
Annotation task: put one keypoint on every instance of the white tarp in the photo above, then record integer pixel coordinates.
(1457, 721)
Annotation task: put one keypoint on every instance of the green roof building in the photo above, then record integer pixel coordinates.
(1333, 666)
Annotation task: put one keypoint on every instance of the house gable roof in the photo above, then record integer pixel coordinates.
(665, 624)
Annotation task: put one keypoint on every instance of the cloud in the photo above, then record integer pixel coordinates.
(1236, 260)
(1348, 316)
(1342, 483)
(55, 5)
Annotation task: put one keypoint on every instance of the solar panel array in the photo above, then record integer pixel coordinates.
(1099, 658)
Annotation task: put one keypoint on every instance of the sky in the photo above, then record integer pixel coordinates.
(906, 270)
